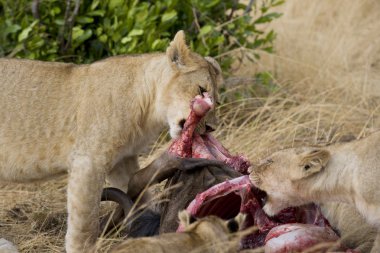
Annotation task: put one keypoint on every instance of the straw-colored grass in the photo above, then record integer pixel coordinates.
(327, 65)
(327, 72)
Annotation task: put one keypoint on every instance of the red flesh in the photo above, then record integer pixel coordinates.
(199, 106)
(238, 162)
(191, 144)
(297, 237)
(199, 148)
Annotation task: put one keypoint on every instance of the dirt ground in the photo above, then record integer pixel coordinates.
(327, 72)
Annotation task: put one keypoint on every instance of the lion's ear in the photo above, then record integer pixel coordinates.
(236, 224)
(214, 64)
(185, 219)
(178, 52)
(217, 69)
(314, 161)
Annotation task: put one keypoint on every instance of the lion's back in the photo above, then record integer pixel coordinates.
(37, 111)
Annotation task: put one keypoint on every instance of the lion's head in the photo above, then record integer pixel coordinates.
(284, 174)
(211, 228)
(191, 75)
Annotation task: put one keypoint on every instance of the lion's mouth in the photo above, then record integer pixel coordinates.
(196, 120)
(181, 123)
(209, 128)
(263, 197)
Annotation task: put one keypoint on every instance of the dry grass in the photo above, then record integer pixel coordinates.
(327, 68)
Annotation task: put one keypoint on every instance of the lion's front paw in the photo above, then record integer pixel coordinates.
(271, 210)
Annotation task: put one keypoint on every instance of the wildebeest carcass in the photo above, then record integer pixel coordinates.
(223, 189)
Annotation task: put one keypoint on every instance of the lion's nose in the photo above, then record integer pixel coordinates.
(255, 167)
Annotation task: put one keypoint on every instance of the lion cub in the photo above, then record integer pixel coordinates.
(208, 234)
(347, 173)
(92, 121)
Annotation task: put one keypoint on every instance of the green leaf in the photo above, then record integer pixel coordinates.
(94, 4)
(84, 20)
(85, 36)
(116, 37)
(231, 26)
(219, 40)
(24, 34)
(18, 48)
(103, 38)
(115, 3)
(159, 44)
(168, 16)
(54, 11)
(59, 21)
(36, 43)
(99, 31)
(77, 32)
(97, 13)
(268, 18)
(270, 36)
(136, 32)
(205, 30)
(211, 4)
(12, 29)
(126, 39)
(132, 46)
(268, 49)
(277, 3)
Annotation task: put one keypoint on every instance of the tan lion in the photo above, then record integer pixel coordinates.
(92, 121)
(348, 173)
(209, 234)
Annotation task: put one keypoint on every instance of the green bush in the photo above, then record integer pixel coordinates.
(88, 30)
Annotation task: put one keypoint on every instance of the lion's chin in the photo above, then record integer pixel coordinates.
(175, 131)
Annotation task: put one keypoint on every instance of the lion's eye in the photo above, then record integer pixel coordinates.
(201, 90)
(306, 167)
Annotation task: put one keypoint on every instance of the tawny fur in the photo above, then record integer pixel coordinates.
(354, 231)
(93, 120)
(209, 234)
(347, 173)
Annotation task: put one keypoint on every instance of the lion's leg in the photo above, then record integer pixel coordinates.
(119, 177)
(121, 173)
(85, 185)
(376, 244)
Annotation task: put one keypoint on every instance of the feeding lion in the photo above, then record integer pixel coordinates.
(92, 121)
(348, 173)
